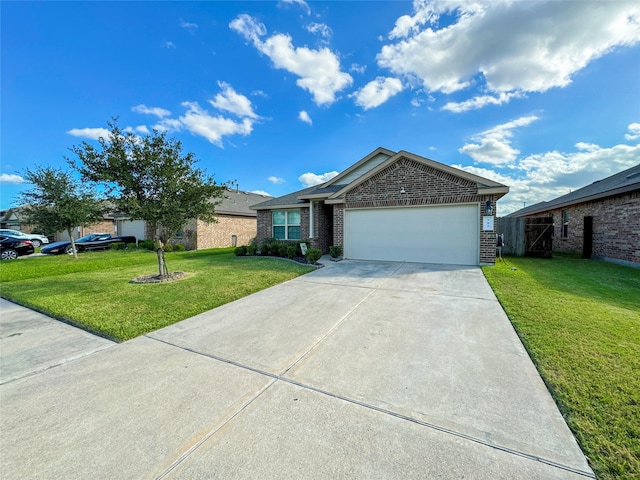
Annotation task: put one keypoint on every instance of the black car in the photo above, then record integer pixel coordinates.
(93, 241)
(12, 247)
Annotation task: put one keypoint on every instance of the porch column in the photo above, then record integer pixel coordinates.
(310, 218)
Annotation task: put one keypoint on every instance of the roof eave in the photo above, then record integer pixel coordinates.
(597, 196)
(280, 207)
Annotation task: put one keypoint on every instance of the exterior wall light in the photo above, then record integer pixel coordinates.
(402, 190)
(488, 209)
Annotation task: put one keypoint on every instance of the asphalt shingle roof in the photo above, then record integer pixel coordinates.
(237, 202)
(625, 181)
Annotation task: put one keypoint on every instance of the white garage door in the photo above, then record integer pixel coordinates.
(438, 234)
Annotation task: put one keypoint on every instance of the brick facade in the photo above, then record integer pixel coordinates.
(228, 231)
(616, 227)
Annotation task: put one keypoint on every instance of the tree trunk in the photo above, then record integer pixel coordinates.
(163, 271)
(73, 243)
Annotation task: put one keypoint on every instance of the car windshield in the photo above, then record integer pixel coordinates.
(92, 237)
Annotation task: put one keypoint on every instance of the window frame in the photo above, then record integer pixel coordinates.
(564, 223)
(286, 225)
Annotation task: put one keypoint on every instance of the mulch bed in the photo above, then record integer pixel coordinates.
(155, 278)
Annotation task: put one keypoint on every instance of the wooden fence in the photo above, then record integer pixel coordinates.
(526, 236)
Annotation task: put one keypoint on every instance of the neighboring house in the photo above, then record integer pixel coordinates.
(394, 206)
(236, 223)
(600, 221)
(10, 219)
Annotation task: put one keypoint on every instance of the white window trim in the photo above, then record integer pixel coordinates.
(286, 223)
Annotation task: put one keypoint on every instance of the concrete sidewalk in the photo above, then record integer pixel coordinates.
(357, 370)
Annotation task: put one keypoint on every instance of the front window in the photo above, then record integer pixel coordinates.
(286, 224)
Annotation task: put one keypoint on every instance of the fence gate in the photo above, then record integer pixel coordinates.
(538, 234)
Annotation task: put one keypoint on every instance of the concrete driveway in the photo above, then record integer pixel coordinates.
(357, 370)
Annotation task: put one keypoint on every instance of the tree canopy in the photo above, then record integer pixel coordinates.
(150, 178)
(59, 201)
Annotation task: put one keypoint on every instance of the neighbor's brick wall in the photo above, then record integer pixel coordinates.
(616, 227)
(220, 234)
(423, 186)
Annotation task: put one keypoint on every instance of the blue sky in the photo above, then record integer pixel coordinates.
(543, 96)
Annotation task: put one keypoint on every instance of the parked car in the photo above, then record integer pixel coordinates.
(13, 247)
(36, 239)
(93, 241)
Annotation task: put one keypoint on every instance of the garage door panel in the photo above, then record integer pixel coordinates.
(440, 234)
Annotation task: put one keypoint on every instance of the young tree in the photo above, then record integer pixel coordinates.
(59, 202)
(149, 178)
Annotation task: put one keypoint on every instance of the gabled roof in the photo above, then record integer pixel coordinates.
(484, 185)
(623, 182)
(333, 191)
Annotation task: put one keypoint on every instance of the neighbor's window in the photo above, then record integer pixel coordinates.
(565, 224)
(286, 224)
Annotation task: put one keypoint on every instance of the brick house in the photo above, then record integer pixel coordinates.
(600, 221)
(394, 206)
(236, 223)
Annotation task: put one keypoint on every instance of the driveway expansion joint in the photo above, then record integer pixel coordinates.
(280, 377)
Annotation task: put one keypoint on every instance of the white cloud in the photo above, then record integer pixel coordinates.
(378, 91)
(157, 111)
(355, 67)
(90, 133)
(634, 132)
(301, 3)
(200, 122)
(310, 179)
(170, 45)
(231, 101)
(544, 176)
(493, 146)
(512, 46)
(192, 27)
(262, 192)
(139, 129)
(319, 70)
(213, 128)
(304, 116)
(481, 101)
(168, 125)
(276, 180)
(321, 29)
(11, 178)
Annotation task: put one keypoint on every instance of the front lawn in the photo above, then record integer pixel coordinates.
(94, 292)
(580, 321)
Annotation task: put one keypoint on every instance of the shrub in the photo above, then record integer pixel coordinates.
(118, 246)
(168, 247)
(335, 251)
(313, 255)
(178, 247)
(252, 249)
(240, 251)
(282, 250)
(148, 244)
(291, 252)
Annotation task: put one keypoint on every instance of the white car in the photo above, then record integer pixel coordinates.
(36, 240)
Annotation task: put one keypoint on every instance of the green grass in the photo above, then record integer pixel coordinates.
(580, 322)
(94, 293)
